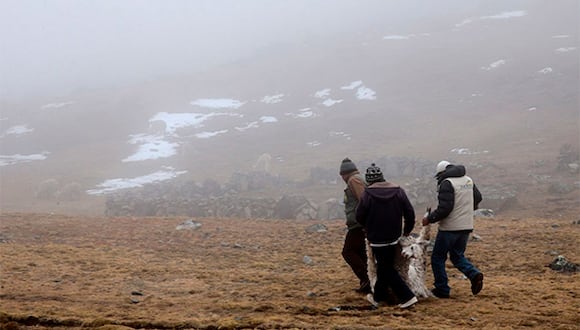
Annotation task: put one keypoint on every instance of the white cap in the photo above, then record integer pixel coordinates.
(442, 165)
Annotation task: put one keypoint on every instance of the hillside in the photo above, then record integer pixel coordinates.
(501, 87)
(114, 273)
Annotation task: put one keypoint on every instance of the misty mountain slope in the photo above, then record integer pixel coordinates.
(502, 85)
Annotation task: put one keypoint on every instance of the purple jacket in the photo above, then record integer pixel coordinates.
(381, 210)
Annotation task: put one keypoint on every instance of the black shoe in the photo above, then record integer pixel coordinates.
(477, 283)
(439, 294)
(365, 288)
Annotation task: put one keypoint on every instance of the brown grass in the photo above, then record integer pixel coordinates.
(72, 272)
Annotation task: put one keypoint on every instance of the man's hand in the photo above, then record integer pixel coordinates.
(425, 221)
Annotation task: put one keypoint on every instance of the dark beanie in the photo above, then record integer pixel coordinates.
(374, 174)
(347, 166)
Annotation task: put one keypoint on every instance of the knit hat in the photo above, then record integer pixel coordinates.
(374, 174)
(347, 166)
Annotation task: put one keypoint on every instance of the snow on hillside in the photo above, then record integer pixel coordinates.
(229, 117)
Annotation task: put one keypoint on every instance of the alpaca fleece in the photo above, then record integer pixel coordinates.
(411, 262)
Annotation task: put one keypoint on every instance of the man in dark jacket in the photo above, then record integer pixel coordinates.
(381, 211)
(353, 251)
(457, 198)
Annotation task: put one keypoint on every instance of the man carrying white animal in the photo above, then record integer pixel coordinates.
(457, 198)
(381, 210)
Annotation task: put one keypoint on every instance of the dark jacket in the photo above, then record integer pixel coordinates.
(381, 210)
(446, 193)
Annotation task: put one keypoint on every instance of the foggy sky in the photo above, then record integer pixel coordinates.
(54, 47)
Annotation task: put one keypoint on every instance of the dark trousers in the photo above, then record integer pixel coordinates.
(355, 255)
(454, 244)
(388, 277)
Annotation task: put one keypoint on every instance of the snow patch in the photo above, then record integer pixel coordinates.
(207, 135)
(506, 15)
(330, 102)
(365, 93)
(302, 113)
(395, 37)
(218, 103)
(466, 151)
(152, 147)
(253, 124)
(6, 160)
(322, 93)
(339, 134)
(564, 49)
(272, 99)
(174, 121)
(405, 37)
(494, 65)
(502, 15)
(18, 130)
(352, 85)
(56, 105)
(268, 119)
(112, 185)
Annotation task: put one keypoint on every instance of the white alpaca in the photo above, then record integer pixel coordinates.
(410, 263)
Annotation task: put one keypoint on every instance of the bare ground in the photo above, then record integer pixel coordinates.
(71, 272)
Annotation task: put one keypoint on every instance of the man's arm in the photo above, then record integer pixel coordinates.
(362, 209)
(408, 214)
(446, 201)
(357, 186)
(477, 198)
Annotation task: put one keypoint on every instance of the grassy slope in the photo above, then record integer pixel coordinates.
(245, 273)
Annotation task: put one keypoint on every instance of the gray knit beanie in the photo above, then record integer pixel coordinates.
(374, 174)
(347, 166)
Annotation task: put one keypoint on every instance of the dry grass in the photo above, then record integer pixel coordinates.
(70, 272)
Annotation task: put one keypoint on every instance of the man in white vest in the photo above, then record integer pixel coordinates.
(457, 198)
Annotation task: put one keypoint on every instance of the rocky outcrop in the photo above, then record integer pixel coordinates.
(497, 199)
(237, 196)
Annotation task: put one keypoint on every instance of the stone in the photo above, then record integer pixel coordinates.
(188, 225)
(562, 264)
(317, 228)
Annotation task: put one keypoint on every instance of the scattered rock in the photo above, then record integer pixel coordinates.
(484, 213)
(562, 264)
(561, 188)
(498, 199)
(317, 228)
(47, 189)
(4, 238)
(307, 260)
(188, 225)
(475, 237)
(330, 209)
(71, 192)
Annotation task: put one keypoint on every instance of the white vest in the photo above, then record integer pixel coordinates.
(461, 218)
